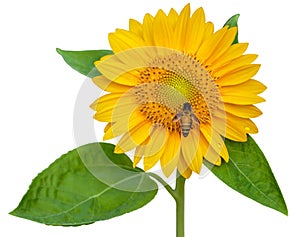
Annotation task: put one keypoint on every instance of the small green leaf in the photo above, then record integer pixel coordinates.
(249, 173)
(70, 191)
(83, 61)
(232, 22)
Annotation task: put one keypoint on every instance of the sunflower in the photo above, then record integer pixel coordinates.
(176, 89)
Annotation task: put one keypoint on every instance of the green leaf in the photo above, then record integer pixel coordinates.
(232, 22)
(87, 184)
(249, 173)
(83, 61)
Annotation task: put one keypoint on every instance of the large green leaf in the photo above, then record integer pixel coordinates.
(249, 173)
(232, 22)
(71, 190)
(83, 61)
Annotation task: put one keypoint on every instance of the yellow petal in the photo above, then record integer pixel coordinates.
(209, 45)
(242, 100)
(244, 93)
(234, 64)
(107, 100)
(223, 44)
(158, 138)
(104, 107)
(130, 120)
(183, 168)
(239, 75)
(243, 124)
(195, 31)
(130, 37)
(189, 149)
(104, 116)
(136, 159)
(210, 154)
(155, 147)
(172, 18)
(150, 161)
(105, 57)
(117, 71)
(134, 137)
(224, 153)
(237, 127)
(113, 107)
(125, 106)
(169, 159)
(208, 31)
(136, 27)
(233, 52)
(110, 86)
(235, 135)
(127, 78)
(215, 141)
(181, 28)
(243, 111)
(198, 160)
(123, 39)
(227, 130)
(108, 126)
(249, 87)
(139, 152)
(162, 31)
(148, 29)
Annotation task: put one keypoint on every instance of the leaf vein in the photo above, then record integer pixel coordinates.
(91, 197)
(249, 180)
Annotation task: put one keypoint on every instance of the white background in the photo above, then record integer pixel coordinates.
(38, 91)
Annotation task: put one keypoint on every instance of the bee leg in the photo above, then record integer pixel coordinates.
(177, 117)
(196, 120)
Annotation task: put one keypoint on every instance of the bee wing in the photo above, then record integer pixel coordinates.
(194, 117)
(177, 117)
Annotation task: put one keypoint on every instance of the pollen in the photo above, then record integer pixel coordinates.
(169, 82)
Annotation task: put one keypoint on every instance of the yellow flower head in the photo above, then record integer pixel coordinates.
(176, 89)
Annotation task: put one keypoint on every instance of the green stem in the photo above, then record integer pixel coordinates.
(180, 206)
(178, 195)
(167, 187)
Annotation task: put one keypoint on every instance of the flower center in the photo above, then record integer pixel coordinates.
(170, 82)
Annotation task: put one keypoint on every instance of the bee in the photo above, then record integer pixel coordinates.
(186, 118)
